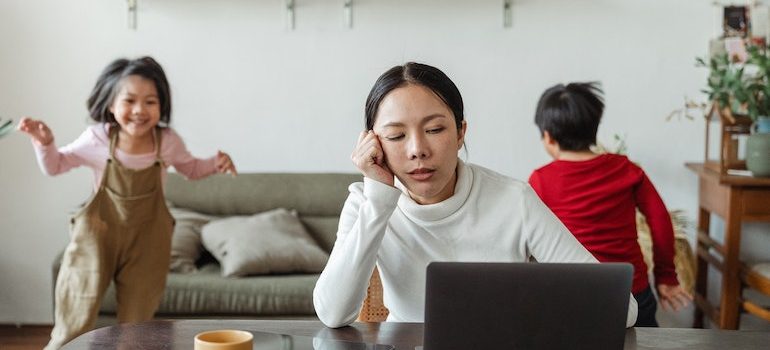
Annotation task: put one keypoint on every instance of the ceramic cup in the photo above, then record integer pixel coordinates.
(224, 340)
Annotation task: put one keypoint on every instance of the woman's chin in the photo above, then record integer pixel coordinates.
(424, 194)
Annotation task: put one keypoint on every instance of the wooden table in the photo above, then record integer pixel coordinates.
(404, 336)
(737, 199)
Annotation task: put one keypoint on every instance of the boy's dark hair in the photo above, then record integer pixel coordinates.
(418, 74)
(571, 114)
(108, 83)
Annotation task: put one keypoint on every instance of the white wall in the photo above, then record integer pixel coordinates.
(281, 100)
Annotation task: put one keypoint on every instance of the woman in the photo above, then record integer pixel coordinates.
(420, 203)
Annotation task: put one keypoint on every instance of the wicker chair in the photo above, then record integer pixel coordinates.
(373, 309)
(684, 260)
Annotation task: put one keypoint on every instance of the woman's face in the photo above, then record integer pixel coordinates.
(420, 140)
(136, 106)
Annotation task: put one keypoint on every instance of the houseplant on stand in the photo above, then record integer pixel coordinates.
(737, 88)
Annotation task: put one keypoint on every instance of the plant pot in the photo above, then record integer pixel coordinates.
(758, 148)
(762, 125)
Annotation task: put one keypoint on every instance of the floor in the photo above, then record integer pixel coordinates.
(23, 338)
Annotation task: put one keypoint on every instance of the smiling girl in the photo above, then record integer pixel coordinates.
(124, 232)
(420, 203)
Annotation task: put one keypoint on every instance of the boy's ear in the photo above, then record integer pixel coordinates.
(548, 139)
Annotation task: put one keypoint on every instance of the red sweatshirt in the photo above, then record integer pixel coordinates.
(597, 200)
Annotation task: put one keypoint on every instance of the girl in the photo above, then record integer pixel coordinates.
(124, 232)
(420, 203)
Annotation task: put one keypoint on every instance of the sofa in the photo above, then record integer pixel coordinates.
(205, 293)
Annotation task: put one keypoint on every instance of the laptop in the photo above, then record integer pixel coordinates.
(539, 306)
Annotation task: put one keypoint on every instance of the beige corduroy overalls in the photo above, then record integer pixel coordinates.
(123, 233)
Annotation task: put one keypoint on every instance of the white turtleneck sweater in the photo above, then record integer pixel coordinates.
(489, 218)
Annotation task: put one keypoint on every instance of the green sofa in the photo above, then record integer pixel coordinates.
(318, 199)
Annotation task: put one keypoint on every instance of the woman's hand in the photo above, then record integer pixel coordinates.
(370, 159)
(37, 130)
(673, 298)
(224, 164)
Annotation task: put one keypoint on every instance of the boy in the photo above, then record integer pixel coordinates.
(596, 195)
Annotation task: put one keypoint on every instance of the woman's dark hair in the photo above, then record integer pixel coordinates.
(418, 74)
(571, 114)
(108, 83)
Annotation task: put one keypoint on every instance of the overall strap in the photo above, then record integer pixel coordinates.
(158, 140)
(113, 139)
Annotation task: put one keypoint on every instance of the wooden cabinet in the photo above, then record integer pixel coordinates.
(737, 199)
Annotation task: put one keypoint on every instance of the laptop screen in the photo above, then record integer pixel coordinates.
(526, 305)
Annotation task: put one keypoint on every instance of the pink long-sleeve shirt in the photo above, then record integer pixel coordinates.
(92, 149)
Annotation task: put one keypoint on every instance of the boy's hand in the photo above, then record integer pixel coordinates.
(370, 159)
(673, 298)
(37, 130)
(224, 164)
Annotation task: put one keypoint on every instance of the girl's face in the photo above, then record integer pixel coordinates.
(136, 106)
(420, 140)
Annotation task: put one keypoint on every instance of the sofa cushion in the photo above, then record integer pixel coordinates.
(319, 227)
(271, 242)
(186, 243)
(313, 195)
(223, 195)
(206, 292)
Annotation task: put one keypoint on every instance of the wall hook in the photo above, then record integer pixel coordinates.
(290, 14)
(507, 13)
(348, 13)
(131, 20)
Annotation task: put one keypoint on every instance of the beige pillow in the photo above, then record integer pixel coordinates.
(186, 244)
(270, 242)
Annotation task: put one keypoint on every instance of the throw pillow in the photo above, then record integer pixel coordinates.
(186, 244)
(274, 241)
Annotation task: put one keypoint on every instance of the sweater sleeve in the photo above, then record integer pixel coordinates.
(54, 161)
(661, 231)
(175, 153)
(550, 241)
(341, 288)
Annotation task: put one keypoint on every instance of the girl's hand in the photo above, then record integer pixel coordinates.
(370, 159)
(224, 164)
(37, 130)
(673, 298)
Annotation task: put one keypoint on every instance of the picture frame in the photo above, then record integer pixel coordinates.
(736, 21)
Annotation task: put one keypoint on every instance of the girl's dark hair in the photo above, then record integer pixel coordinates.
(571, 114)
(418, 74)
(108, 83)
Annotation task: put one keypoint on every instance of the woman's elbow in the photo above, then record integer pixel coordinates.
(332, 322)
(333, 317)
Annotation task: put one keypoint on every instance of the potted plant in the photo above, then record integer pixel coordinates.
(758, 108)
(744, 89)
(725, 82)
